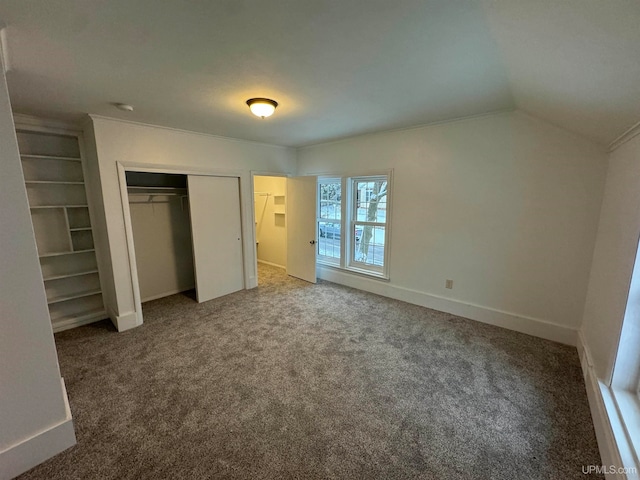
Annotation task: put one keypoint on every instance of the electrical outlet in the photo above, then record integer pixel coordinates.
(448, 284)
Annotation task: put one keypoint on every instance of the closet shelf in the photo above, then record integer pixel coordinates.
(57, 254)
(57, 206)
(64, 298)
(69, 275)
(52, 182)
(69, 321)
(51, 157)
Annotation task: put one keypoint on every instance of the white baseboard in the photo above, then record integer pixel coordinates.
(127, 321)
(25, 455)
(272, 264)
(166, 294)
(600, 403)
(511, 321)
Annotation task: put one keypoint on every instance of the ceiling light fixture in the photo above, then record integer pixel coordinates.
(124, 107)
(262, 107)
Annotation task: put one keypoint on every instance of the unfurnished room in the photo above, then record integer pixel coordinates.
(320, 240)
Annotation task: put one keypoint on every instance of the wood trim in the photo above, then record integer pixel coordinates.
(32, 451)
(626, 136)
(244, 179)
(602, 405)
(79, 321)
(168, 293)
(46, 125)
(188, 132)
(264, 262)
(131, 252)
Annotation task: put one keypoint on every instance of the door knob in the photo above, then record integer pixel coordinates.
(312, 242)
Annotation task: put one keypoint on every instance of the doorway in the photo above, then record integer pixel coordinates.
(183, 231)
(285, 224)
(269, 197)
(159, 208)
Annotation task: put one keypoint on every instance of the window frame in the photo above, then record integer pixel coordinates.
(621, 391)
(624, 385)
(352, 262)
(326, 259)
(348, 222)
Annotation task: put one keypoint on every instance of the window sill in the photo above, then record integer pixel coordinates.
(623, 410)
(628, 406)
(356, 271)
(327, 263)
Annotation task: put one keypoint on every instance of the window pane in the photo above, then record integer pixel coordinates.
(329, 241)
(371, 201)
(330, 196)
(369, 244)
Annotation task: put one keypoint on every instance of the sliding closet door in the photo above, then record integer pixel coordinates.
(216, 232)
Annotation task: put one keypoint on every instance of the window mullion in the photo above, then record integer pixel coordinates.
(353, 215)
(373, 224)
(345, 200)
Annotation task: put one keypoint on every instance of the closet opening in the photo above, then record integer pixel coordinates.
(162, 237)
(269, 196)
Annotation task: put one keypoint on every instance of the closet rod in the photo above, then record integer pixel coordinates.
(137, 187)
(156, 191)
(168, 194)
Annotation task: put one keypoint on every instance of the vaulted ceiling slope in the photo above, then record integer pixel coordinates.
(338, 68)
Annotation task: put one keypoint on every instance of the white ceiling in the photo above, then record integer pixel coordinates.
(337, 67)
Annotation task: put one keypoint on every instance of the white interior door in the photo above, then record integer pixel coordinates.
(301, 227)
(216, 233)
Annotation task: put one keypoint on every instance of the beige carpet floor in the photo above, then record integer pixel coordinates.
(300, 381)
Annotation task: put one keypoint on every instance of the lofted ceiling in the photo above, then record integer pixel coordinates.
(337, 68)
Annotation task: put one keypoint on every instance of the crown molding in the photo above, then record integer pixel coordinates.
(4, 48)
(23, 120)
(625, 137)
(94, 116)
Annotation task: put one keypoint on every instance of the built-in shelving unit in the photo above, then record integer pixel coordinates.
(54, 179)
(279, 205)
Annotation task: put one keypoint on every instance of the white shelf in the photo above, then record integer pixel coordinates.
(72, 321)
(279, 205)
(53, 182)
(58, 206)
(52, 157)
(65, 298)
(57, 254)
(69, 275)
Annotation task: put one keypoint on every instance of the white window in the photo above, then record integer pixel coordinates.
(363, 213)
(624, 388)
(368, 222)
(329, 220)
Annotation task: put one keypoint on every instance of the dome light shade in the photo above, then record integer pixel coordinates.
(262, 107)
(124, 107)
